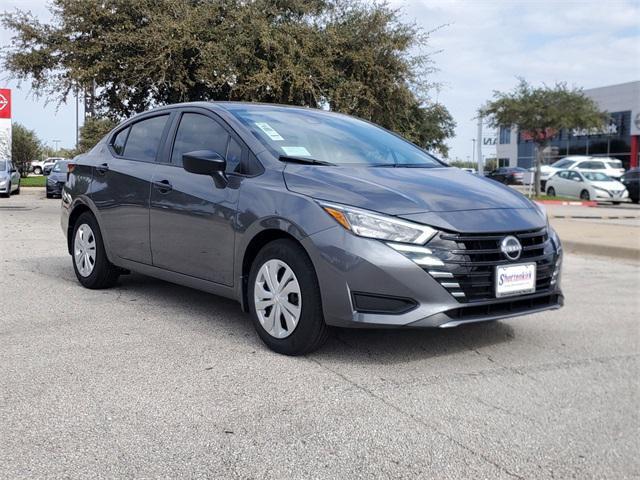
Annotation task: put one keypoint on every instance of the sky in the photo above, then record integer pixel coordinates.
(483, 46)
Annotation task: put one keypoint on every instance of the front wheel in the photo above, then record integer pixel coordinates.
(37, 171)
(551, 192)
(90, 263)
(17, 192)
(284, 299)
(584, 195)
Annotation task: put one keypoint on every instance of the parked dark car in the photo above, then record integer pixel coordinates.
(508, 175)
(309, 219)
(56, 178)
(631, 180)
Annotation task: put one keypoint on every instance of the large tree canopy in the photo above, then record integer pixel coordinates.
(542, 112)
(350, 56)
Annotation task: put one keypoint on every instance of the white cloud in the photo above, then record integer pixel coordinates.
(487, 44)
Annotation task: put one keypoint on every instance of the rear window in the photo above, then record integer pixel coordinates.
(144, 139)
(614, 163)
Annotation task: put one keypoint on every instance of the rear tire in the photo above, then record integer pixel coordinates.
(551, 192)
(99, 272)
(310, 331)
(584, 195)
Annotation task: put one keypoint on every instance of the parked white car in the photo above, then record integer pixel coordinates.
(38, 166)
(611, 167)
(587, 186)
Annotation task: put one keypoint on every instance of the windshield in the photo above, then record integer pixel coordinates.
(597, 177)
(329, 138)
(3, 165)
(614, 163)
(60, 167)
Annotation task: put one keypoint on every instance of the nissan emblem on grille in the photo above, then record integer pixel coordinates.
(511, 247)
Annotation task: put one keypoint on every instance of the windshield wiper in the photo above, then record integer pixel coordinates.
(403, 165)
(305, 161)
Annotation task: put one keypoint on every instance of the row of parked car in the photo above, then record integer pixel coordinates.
(587, 178)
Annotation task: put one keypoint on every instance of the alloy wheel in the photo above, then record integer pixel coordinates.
(277, 298)
(84, 250)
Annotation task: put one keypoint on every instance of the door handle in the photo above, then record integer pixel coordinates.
(104, 168)
(163, 185)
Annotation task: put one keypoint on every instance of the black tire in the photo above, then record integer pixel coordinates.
(311, 331)
(551, 192)
(616, 203)
(8, 194)
(18, 189)
(584, 195)
(37, 171)
(104, 274)
(49, 195)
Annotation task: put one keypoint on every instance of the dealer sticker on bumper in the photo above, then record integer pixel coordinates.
(515, 279)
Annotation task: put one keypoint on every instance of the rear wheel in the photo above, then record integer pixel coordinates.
(90, 263)
(284, 299)
(551, 192)
(584, 195)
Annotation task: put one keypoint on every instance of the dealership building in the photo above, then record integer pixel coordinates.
(620, 139)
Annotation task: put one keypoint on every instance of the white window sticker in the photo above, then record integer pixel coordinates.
(268, 129)
(296, 151)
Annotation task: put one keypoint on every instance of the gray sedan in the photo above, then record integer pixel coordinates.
(309, 219)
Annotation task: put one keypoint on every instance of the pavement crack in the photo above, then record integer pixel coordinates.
(417, 420)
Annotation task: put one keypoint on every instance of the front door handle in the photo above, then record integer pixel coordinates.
(163, 185)
(102, 169)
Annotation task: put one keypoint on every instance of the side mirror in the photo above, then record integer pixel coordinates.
(206, 162)
(13, 170)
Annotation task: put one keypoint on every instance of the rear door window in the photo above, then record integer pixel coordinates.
(144, 139)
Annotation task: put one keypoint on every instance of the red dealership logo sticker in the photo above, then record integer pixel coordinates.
(5, 103)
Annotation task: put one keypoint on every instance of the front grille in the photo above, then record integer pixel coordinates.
(470, 261)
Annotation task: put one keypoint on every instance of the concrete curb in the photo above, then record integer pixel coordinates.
(624, 253)
(568, 202)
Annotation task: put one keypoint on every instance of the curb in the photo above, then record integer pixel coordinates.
(568, 202)
(624, 253)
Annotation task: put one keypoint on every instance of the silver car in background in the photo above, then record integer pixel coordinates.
(9, 178)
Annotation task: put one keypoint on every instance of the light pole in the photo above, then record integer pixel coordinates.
(56, 142)
(473, 150)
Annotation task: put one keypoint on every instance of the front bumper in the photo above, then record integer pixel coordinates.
(54, 188)
(370, 267)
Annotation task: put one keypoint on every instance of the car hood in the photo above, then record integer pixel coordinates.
(447, 198)
(608, 185)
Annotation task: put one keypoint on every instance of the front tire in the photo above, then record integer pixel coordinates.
(17, 192)
(37, 171)
(551, 192)
(90, 263)
(284, 299)
(584, 195)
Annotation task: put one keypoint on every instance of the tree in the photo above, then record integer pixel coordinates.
(354, 57)
(92, 131)
(543, 112)
(25, 147)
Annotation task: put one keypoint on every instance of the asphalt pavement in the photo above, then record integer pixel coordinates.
(150, 379)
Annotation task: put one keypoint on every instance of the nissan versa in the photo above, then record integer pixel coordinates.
(310, 219)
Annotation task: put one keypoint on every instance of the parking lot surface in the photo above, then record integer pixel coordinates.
(150, 379)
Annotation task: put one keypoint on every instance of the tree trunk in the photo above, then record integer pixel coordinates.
(538, 172)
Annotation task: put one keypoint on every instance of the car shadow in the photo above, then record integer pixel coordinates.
(379, 346)
(387, 346)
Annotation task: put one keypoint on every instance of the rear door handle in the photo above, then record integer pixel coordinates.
(104, 168)
(163, 185)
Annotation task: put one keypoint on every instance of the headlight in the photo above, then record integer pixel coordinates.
(602, 191)
(3, 182)
(374, 225)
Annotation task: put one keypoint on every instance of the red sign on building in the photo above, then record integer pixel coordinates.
(5, 103)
